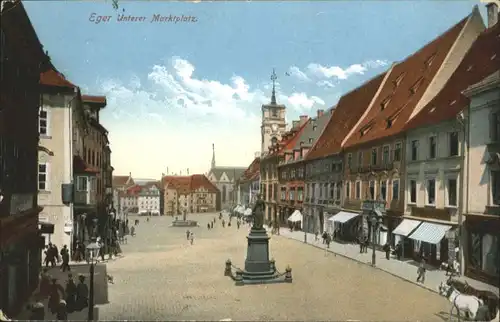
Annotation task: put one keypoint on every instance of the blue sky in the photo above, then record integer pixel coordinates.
(173, 89)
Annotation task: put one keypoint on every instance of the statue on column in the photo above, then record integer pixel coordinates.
(258, 213)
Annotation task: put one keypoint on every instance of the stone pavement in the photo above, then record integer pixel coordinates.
(406, 269)
(163, 277)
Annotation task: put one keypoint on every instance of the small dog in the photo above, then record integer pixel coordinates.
(110, 279)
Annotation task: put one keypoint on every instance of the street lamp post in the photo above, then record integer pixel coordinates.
(374, 222)
(93, 248)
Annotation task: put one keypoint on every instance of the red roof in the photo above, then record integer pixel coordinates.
(252, 172)
(188, 184)
(94, 99)
(349, 110)
(481, 60)
(201, 181)
(134, 190)
(80, 166)
(289, 142)
(54, 78)
(403, 88)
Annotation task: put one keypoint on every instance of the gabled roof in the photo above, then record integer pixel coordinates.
(252, 172)
(312, 131)
(232, 173)
(201, 181)
(403, 88)
(481, 61)
(134, 190)
(53, 78)
(289, 143)
(120, 181)
(349, 110)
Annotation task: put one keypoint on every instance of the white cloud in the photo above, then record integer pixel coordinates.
(325, 83)
(338, 72)
(297, 73)
(174, 117)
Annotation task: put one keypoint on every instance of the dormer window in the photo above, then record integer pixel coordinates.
(385, 102)
(365, 129)
(417, 84)
(398, 80)
(314, 128)
(310, 140)
(428, 61)
(301, 143)
(389, 123)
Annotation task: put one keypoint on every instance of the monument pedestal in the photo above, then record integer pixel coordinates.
(184, 222)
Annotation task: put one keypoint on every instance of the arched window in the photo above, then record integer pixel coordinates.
(274, 141)
(224, 193)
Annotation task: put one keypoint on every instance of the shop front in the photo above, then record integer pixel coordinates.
(345, 226)
(482, 251)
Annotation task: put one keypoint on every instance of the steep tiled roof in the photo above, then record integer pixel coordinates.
(403, 88)
(119, 181)
(482, 60)
(290, 143)
(201, 181)
(312, 131)
(54, 78)
(232, 173)
(134, 190)
(349, 109)
(80, 166)
(94, 99)
(252, 172)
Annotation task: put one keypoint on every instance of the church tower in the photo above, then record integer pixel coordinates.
(273, 120)
(213, 157)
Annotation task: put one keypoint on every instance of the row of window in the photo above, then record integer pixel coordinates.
(385, 157)
(292, 194)
(430, 192)
(293, 173)
(372, 191)
(432, 147)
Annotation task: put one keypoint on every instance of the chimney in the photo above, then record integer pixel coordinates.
(188, 171)
(492, 13)
(320, 112)
(295, 124)
(303, 119)
(130, 174)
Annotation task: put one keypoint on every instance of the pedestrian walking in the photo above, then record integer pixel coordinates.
(188, 233)
(399, 250)
(211, 225)
(56, 291)
(421, 272)
(70, 293)
(82, 294)
(208, 226)
(191, 238)
(44, 287)
(323, 236)
(387, 249)
(65, 259)
(238, 223)
(316, 236)
(328, 240)
(223, 223)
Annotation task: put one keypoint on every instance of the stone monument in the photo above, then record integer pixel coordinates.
(184, 222)
(259, 269)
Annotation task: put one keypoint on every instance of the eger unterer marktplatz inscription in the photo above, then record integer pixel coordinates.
(258, 268)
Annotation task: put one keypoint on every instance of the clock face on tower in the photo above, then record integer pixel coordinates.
(274, 127)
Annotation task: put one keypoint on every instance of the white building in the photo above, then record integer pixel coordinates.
(482, 183)
(148, 199)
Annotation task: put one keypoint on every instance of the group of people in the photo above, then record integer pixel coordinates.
(54, 257)
(190, 236)
(61, 300)
(211, 224)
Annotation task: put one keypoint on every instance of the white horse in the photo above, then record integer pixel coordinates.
(463, 303)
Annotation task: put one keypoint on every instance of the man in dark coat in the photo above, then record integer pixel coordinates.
(70, 294)
(65, 259)
(82, 294)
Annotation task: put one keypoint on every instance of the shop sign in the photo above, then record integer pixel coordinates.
(372, 205)
(20, 202)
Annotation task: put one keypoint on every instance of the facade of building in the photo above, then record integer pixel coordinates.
(249, 183)
(273, 121)
(148, 199)
(129, 200)
(481, 184)
(377, 142)
(120, 184)
(325, 162)
(224, 178)
(189, 194)
(55, 157)
(291, 166)
(22, 60)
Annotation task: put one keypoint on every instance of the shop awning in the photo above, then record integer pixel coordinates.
(295, 217)
(406, 227)
(343, 217)
(430, 232)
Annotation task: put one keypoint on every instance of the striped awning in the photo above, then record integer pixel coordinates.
(343, 216)
(430, 232)
(406, 227)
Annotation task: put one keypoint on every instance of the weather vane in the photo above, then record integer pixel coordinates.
(274, 77)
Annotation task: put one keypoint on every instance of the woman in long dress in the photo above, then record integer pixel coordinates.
(56, 291)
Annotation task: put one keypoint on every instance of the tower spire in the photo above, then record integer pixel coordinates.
(274, 78)
(213, 156)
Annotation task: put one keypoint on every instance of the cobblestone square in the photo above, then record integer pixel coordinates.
(163, 277)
